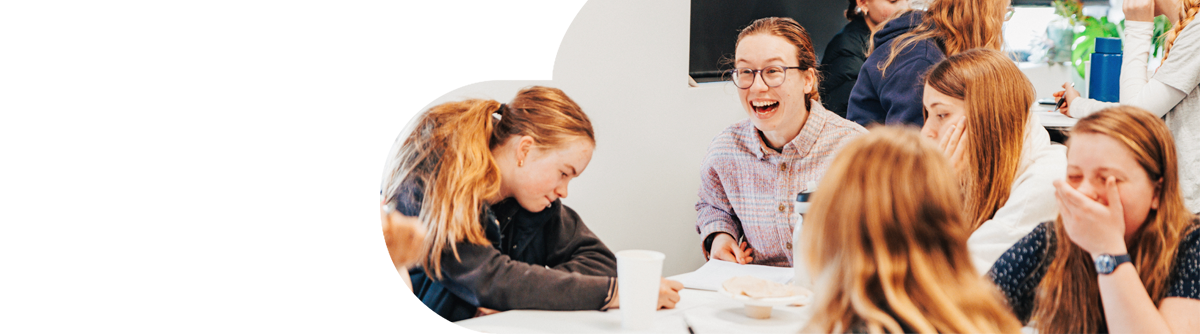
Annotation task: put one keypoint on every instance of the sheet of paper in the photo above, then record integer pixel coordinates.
(712, 274)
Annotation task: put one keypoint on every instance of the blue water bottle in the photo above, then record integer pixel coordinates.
(1105, 83)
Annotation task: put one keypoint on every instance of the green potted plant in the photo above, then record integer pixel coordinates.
(1087, 28)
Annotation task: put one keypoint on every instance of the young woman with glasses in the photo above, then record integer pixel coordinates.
(889, 85)
(755, 168)
(485, 179)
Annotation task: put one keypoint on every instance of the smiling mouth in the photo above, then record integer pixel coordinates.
(764, 108)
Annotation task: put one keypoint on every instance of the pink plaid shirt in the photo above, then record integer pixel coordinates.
(748, 189)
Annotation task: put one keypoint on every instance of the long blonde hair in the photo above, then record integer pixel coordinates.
(1068, 298)
(887, 244)
(959, 25)
(997, 98)
(447, 152)
(1187, 13)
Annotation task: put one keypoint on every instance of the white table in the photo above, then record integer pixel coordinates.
(705, 311)
(1052, 119)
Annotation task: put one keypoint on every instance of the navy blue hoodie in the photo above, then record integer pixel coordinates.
(896, 97)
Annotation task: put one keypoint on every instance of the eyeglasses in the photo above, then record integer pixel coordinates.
(1008, 15)
(773, 76)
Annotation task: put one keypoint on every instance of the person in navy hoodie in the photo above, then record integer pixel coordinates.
(890, 86)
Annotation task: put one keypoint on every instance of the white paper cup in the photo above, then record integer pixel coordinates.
(639, 273)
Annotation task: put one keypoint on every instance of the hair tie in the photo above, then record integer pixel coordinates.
(499, 112)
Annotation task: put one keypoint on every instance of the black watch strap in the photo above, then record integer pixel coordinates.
(1107, 263)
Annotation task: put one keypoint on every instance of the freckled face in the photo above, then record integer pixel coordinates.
(1092, 158)
(941, 111)
(546, 172)
(773, 108)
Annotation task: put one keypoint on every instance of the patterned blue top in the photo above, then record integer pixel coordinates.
(1018, 272)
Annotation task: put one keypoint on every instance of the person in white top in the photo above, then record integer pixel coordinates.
(1173, 92)
(977, 108)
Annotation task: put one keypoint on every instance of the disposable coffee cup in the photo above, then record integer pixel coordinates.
(639, 273)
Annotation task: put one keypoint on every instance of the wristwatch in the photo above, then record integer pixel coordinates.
(1106, 263)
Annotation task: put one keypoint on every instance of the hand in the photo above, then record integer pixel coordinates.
(724, 248)
(1067, 95)
(953, 146)
(668, 293)
(404, 236)
(1096, 226)
(1138, 10)
(482, 311)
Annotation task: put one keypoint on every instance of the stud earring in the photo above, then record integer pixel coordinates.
(520, 163)
(860, 10)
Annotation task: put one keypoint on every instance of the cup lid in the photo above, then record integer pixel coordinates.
(1108, 45)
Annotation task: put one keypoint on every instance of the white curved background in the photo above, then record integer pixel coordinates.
(625, 63)
(214, 166)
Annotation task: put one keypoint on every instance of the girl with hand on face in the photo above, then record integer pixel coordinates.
(485, 179)
(889, 86)
(977, 110)
(1124, 255)
(845, 53)
(755, 168)
(885, 240)
(1173, 92)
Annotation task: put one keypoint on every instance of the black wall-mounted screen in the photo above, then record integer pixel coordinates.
(715, 25)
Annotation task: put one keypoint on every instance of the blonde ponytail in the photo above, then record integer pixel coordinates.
(452, 140)
(447, 155)
(1187, 13)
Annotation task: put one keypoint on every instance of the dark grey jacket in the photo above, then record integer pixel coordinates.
(546, 260)
(843, 59)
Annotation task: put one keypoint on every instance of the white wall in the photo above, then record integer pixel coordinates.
(625, 63)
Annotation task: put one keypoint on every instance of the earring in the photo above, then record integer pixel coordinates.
(860, 10)
(520, 163)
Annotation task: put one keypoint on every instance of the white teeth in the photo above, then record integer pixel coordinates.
(762, 103)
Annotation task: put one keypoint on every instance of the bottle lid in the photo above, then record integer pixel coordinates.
(1108, 45)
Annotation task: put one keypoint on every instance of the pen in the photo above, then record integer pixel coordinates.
(1063, 99)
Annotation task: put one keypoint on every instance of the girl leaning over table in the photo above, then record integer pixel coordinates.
(485, 180)
(886, 243)
(1124, 254)
(1173, 92)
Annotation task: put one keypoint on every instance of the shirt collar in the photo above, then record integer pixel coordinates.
(804, 141)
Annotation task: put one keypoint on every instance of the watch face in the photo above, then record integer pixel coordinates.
(1105, 264)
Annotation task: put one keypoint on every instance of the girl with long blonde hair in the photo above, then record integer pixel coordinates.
(1124, 255)
(886, 243)
(977, 109)
(485, 180)
(1172, 92)
(889, 87)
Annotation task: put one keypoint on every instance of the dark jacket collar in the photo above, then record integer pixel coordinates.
(509, 210)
